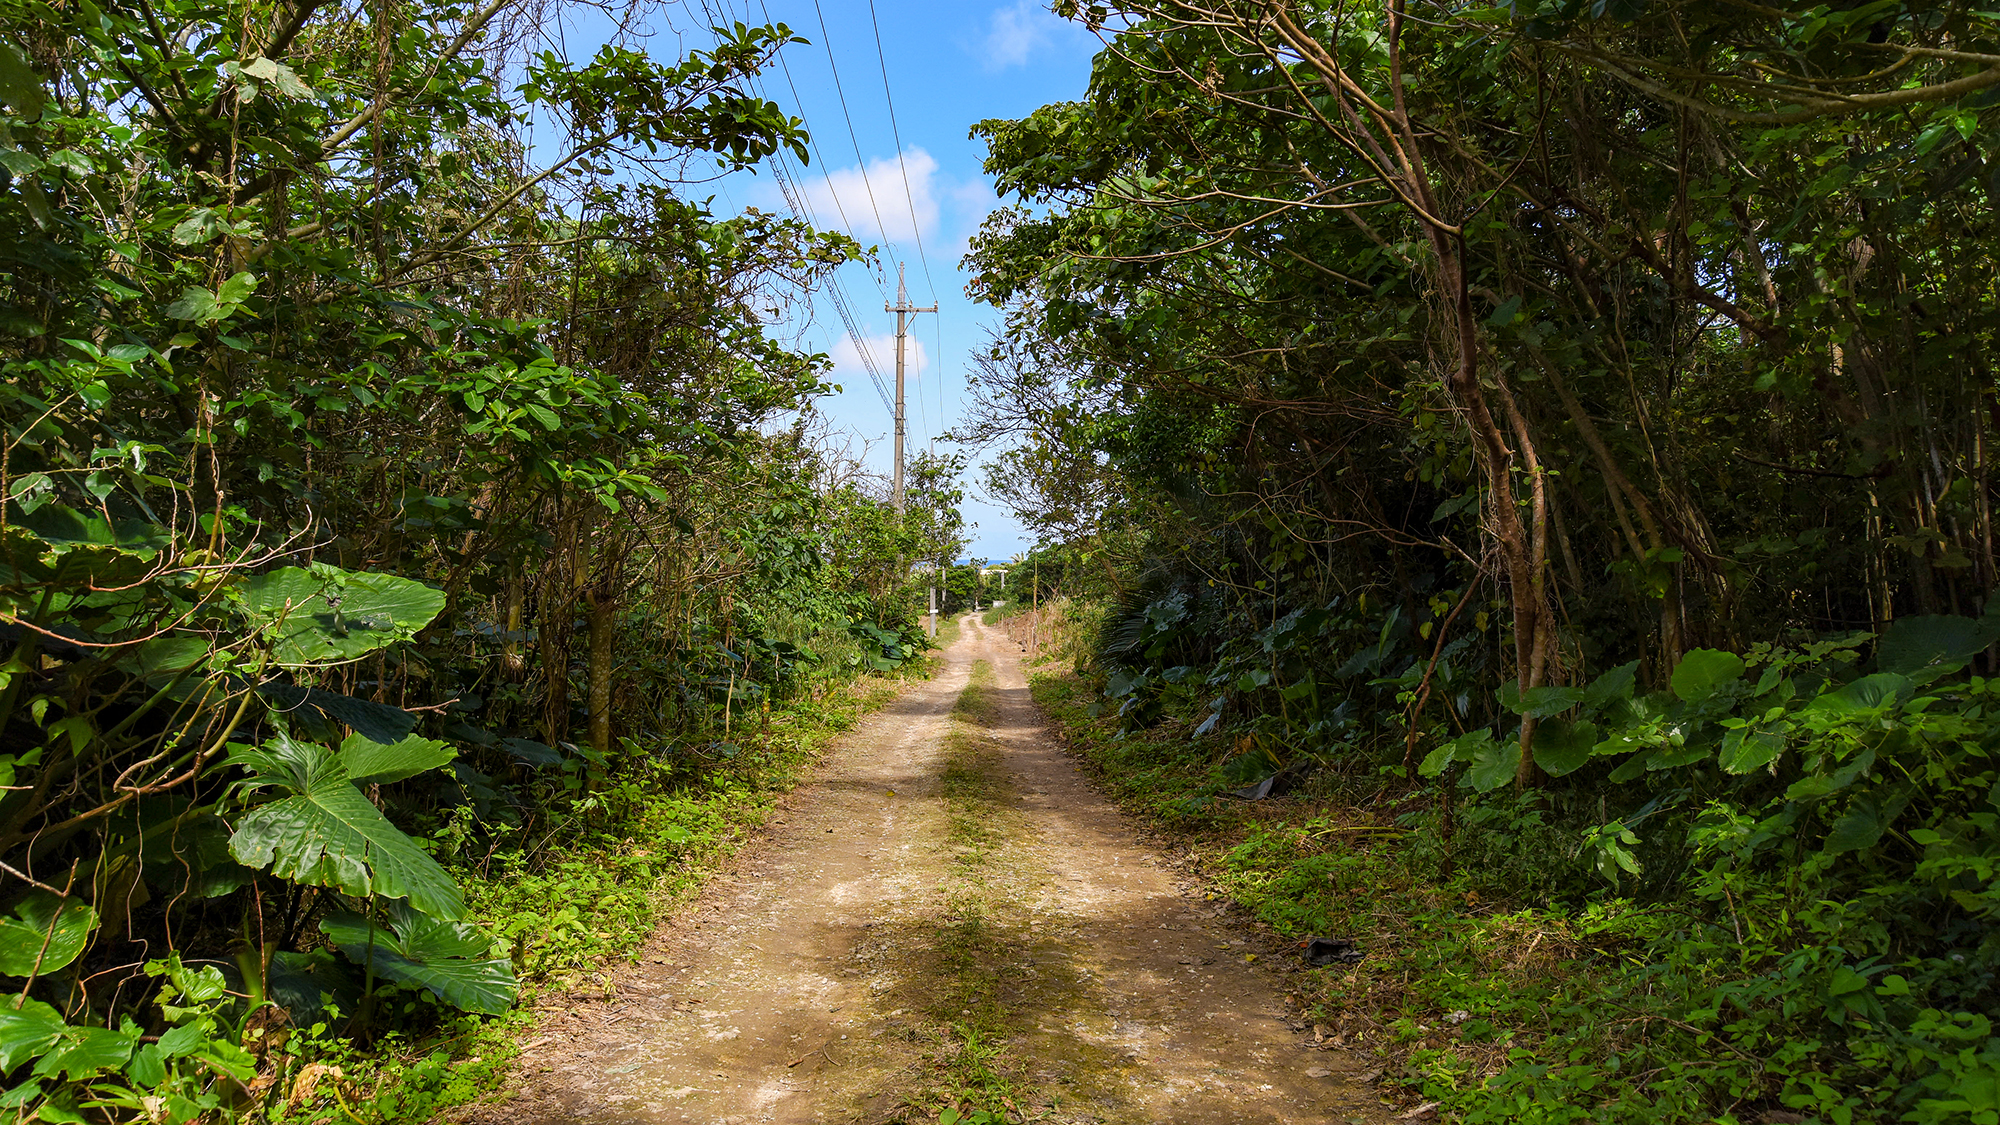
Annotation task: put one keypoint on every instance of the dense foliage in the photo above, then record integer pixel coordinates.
(398, 472)
(1571, 424)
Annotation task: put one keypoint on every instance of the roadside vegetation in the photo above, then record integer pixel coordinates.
(1523, 481)
(418, 561)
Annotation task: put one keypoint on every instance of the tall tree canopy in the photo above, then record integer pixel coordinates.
(391, 438)
(1480, 387)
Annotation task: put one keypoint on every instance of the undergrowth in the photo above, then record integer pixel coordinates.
(1499, 985)
(589, 889)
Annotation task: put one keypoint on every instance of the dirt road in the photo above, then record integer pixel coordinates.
(950, 914)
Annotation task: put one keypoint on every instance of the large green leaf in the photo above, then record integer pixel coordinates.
(28, 1028)
(64, 924)
(1563, 747)
(453, 960)
(86, 1051)
(304, 983)
(1869, 693)
(369, 762)
(1912, 644)
(1703, 670)
(1746, 748)
(326, 833)
(1465, 748)
(1541, 702)
(1494, 765)
(79, 550)
(20, 86)
(1860, 828)
(1613, 684)
(323, 614)
(378, 721)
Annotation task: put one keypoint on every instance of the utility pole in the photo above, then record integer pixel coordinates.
(902, 308)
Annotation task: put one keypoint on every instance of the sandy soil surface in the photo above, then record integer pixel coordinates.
(949, 909)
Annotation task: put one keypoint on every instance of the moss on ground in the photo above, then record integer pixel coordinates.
(996, 985)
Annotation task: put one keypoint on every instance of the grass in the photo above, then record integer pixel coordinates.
(948, 629)
(986, 981)
(1453, 988)
(616, 865)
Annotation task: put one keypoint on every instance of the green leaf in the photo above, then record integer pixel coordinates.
(148, 1067)
(544, 415)
(1868, 693)
(20, 163)
(453, 960)
(20, 87)
(271, 72)
(196, 228)
(328, 834)
(28, 1028)
(1746, 749)
(1541, 702)
(331, 615)
(1703, 670)
(1465, 748)
(1436, 762)
(1613, 684)
(377, 721)
(1912, 644)
(1846, 980)
(196, 986)
(60, 1109)
(237, 289)
(1562, 747)
(1494, 765)
(65, 924)
(168, 656)
(369, 762)
(1860, 829)
(196, 304)
(88, 1051)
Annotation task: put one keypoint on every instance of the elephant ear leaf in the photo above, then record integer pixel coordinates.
(453, 960)
(1703, 670)
(1494, 764)
(1562, 747)
(1943, 641)
(45, 933)
(371, 763)
(327, 833)
(324, 614)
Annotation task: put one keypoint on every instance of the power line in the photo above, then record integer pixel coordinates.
(826, 40)
(800, 205)
(812, 142)
(839, 299)
(915, 227)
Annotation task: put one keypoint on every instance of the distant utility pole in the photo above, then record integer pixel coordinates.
(902, 308)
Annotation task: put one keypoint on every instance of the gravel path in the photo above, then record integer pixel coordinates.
(949, 909)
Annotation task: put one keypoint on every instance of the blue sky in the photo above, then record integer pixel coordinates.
(948, 66)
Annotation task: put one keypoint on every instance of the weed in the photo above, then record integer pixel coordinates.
(613, 871)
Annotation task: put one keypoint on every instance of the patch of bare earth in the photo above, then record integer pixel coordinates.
(949, 915)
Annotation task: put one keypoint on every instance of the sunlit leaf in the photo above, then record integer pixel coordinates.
(453, 960)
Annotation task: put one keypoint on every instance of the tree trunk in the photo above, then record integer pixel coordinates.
(603, 652)
(513, 665)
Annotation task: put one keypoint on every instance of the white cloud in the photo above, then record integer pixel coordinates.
(1017, 32)
(861, 195)
(850, 373)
